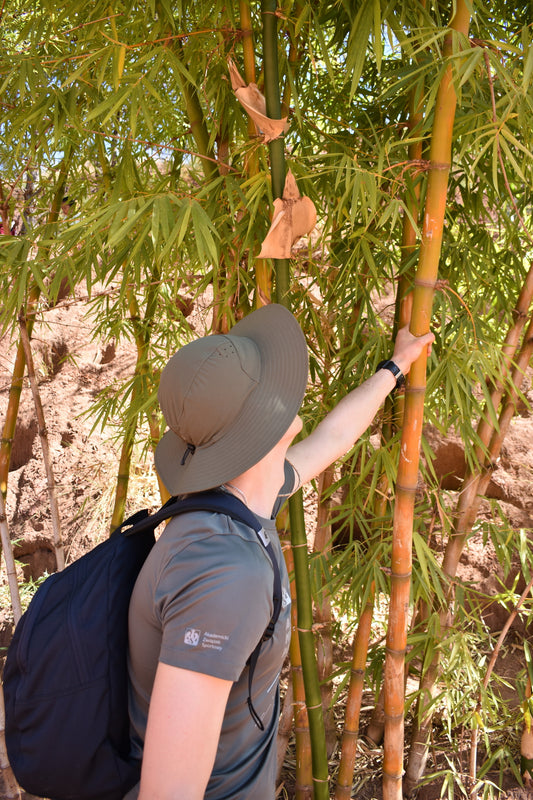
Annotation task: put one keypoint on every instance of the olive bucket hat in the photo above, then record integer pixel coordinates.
(228, 399)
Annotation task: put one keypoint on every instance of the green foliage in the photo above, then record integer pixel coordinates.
(133, 100)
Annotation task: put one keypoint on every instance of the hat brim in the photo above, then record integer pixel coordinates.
(265, 416)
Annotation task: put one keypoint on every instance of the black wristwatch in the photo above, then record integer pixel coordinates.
(396, 371)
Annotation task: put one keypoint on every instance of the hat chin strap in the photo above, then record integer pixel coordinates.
(191, 448)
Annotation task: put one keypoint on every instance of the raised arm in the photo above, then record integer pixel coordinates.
(184, 722)
(344, 424)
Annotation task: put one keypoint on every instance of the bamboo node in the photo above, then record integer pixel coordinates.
(439, 165)
(403, 488)
(401, 575)
(394, 652)
(427, 284)
(389, 775)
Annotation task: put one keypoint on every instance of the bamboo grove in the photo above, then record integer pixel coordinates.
(409, 127)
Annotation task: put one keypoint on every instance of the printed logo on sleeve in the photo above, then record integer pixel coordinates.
(210, 641)
(192, 637)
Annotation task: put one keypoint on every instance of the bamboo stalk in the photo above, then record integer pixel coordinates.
(350, 733)
(427, 272)
(263, 271)
(43, 434)
(10, 562)
(276, 147)
(465, 515)
(34, 294)
(303, 770)
(11, 789)
(466, 507)
(285, 726)
(141, 332)
(526, 741)
(299, 541)
(307, 645)
(490, 667)
(324, 614)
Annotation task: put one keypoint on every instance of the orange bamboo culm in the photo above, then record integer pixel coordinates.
(350, 732)
(426, 276)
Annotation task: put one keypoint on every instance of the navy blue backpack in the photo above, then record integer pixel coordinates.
(65, 678)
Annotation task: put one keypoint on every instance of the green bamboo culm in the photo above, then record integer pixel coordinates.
(273, 110)
(304, 605)
(298, 535)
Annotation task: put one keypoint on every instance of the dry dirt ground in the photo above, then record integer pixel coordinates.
(73, 369)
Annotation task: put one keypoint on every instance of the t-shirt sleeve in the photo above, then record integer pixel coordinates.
(213, 622)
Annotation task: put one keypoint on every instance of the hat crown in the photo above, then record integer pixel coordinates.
(205, 385)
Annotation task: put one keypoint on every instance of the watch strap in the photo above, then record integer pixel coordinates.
(396, 371)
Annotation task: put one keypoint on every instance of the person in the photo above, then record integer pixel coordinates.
(204, 596)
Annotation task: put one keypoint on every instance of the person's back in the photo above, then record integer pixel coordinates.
(210, 625)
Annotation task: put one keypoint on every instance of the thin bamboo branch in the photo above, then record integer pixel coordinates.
(141, 333)
(34, 293)
(462, 527)
(490, 667)
(10, 562)
(10, 785)
(427, 272)
(43, 434)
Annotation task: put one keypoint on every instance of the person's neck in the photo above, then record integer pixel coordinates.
(259, 487)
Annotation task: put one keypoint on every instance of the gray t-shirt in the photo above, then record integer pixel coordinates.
(202, 602)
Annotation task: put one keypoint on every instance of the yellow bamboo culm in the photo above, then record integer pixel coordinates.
(426, 276)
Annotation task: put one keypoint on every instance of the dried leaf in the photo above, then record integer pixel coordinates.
(254, 104)
(294, 216)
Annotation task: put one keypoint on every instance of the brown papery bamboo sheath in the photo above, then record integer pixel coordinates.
(426, 276)
(43, 434)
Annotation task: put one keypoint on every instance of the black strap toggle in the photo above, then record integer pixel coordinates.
(189, 452)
